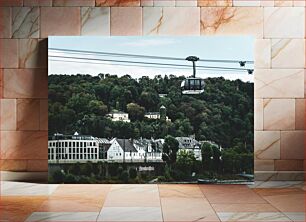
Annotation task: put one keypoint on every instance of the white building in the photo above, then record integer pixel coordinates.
(132, 151)
(119, 116)
(155, 115)
(75, 148)
(190, 144)
(78, 148)
(152, 115)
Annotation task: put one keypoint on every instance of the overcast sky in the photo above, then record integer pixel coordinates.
(217, 48)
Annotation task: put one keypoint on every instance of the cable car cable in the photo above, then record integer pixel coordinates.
(143, 66)
(145, 56)
(148, 63)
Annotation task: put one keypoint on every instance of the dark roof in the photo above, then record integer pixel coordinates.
(106, 146)
(129, 147)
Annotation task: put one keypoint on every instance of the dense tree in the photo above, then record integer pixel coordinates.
(223, 113)
(136, 112)
(170, 148)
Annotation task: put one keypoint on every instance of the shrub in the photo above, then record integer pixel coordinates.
(124, 177)
(75, 168)
(58, 176)
(133, 173)
(69, 178)
(84, 179)
(119, 171)
(87, 168)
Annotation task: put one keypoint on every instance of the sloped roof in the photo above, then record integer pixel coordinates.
(129, 147)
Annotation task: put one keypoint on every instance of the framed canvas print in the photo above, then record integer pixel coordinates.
(151, 110)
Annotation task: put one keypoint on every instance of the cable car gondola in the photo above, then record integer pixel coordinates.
(192, 85)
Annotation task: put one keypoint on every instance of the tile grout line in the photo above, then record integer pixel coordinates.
(161, 208)
(209, 202)
(104, 202)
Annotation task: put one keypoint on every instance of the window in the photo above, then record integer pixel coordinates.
(77, 144)
(66, 144)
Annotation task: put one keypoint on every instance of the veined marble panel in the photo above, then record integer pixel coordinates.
(279, 176)
(289, 165)
(37, 2)
(292, 145)
(8, 114)
(95, 21)
(299, 3)
(25, 83)
(5, 22)
(24, 145)
(37, 165)
(277, 184)
(32, 53)
(177, 190)
(139, 195)
(247, 3)
(171, 21)
(73, 2)
(163, 3)
(278, 83)
(52, 21)
(123, 3)
(9, 188)
(220, 3)
(253, 216)
(186, 3)
(288, 53)
(267, 3)
(13, 165)
(284, 22)
(28, 114)
(232, 21)
(6, 3)
(279, 114)
(295, 216)
(8, 53)
(25, 23)
(126, 21)
(146, 2)
(43, 114)
(130, 214)
(263, 165)
(262, 53)
(187, 209)
(284, 3)
(63, 216)
(258, 114)
(264, 207)
(267, 145)
(300, 114)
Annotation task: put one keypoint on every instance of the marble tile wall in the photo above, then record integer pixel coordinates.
(280, 83)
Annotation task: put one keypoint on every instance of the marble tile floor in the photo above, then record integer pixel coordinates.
(152, 202)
